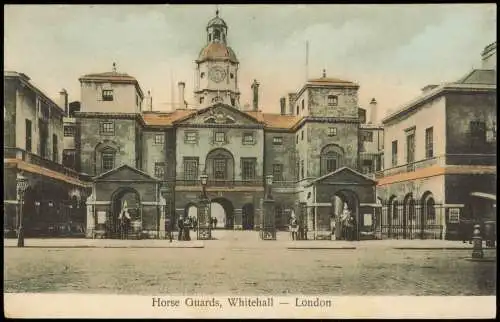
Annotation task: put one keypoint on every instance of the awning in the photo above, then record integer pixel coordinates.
(484, 195)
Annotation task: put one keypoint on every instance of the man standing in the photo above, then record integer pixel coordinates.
(294, 226)
(180, 226)
(215, 222)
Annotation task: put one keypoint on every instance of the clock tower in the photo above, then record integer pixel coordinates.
(217, 68)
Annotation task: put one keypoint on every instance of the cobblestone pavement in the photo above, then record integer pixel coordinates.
(238, 263)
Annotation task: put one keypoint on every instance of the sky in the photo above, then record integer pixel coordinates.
(391, 51)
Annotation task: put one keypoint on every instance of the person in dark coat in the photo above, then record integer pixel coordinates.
(180, 226)
(215, 222)
(187, 225)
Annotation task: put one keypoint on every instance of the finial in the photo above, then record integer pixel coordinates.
(217, 10)
(114, 67)
(324, 73)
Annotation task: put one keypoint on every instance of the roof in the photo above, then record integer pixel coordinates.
(112, 77)
(479, 76)
(476, 80)
(125, 166)
(216, 21)
(275, 121)
(356, 173)
(217, 51)
(165, 118)
(328, 81)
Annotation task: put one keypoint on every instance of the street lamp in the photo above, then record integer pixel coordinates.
(21, 185)
(204, 217)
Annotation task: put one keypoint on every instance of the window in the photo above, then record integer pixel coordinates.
(332, 131)
(159, 169)
(231, 75)
(108, 161)
(410, 148)
(302, 104)
(69, 159)
(302, 135)
(233, 101)
(190, 168)
(332, 100)
(107, 94)
(220, 137)
(69, 130)
(248, 138)
(331, 165)
(107, 128)
(394, 153)
(202, 75)
(55, 151)
(277, 172)
(277, 140)
(302, 169)
(297, 170)
(297, 140)
(28, 136)
(367, 166)
(478, 131)
(216, 34)
(202, 99)
(366, 136)
(220, 169)
(159, 138)
(248, 168)
(190, 137)
(297, 110)
(429, 142)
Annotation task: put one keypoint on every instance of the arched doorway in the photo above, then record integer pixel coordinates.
(122, 197)
(345, 205)
(248, 216)
(409, 212)
(223, 210)
(428, 219)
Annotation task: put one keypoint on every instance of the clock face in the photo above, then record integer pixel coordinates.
(217, 74)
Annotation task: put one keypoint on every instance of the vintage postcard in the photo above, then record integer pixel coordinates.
(236, 161)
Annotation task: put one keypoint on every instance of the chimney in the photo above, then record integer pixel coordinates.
(63, 101)
(292, 97)
(373, 111)
(148, 102)
(182, 101)
(283, 105)
(255, 88)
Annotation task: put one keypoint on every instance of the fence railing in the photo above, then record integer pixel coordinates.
(20, 154)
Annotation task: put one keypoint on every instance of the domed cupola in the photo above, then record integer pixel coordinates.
(217, 29)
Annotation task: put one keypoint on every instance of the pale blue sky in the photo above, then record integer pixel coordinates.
(390, 50)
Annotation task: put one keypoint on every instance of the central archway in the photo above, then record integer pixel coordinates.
(349, 198)
(118, 199)
(223, 210)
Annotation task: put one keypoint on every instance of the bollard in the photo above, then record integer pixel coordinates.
(477, 243)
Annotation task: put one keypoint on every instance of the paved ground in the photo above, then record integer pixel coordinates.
(239, 263)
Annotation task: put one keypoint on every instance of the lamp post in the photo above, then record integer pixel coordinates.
(21, 185)
(267, 222)
(477, 242)
(204, 230)
(269, 183)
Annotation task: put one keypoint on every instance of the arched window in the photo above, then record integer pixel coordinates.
(220, 165)
(331, 158)
(107, 159)
(428, 207)
(394, 209)
(216, 34)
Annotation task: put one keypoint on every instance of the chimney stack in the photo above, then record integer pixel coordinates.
(149, 102)
(63, 101)
(292, 97)
(182, 101)
(373, 111)
(283, 105)
(255, 88)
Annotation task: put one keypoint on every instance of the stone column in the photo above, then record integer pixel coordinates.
(89, 233)
(268, 224)
(238, 219)
(163, 204)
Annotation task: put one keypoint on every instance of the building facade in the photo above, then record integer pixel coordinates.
(414, 175)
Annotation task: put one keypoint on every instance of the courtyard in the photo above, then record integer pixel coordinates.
(239, 263)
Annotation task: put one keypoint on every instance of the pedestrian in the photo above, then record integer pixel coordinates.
(294, 227)
(333, 225)
(180, 226)
(215, 222)
(187, 225)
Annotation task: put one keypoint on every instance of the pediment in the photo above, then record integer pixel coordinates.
(125, 172)
(219, 114)
(344, 175)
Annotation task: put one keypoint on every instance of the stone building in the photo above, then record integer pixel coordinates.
(440, 158)
(33, 145)
(166, 152)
